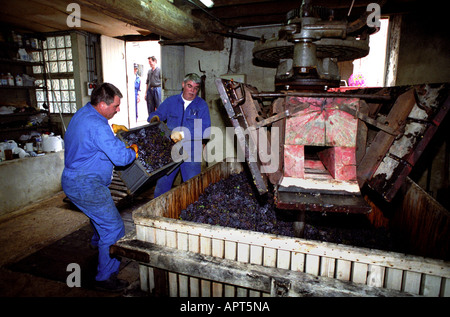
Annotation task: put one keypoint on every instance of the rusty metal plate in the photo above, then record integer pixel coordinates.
(231, 99)
(320, 202)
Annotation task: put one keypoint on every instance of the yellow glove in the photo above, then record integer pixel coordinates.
(176, 136)
(117, 127)
(135, 148)
(154, 119)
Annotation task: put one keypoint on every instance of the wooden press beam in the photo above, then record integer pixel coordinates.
(276, 281)
(163, 18)
(395, 120)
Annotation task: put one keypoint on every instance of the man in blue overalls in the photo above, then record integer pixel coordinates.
(91, 152)
(137, 88)
(187, 115)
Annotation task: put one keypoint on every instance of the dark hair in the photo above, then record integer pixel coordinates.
(153, 58)
(105, 92)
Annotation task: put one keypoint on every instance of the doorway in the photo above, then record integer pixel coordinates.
(372, 67)
(137, 54)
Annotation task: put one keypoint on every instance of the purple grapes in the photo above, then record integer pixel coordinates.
(233, 202)
(154, 146)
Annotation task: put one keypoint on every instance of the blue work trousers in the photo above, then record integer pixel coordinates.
(94, 199)
(188, 170)
(153, 98)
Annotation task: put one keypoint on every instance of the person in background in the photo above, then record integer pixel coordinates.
(153, 91)
(137, 88)
(91, 152)
(184, 112)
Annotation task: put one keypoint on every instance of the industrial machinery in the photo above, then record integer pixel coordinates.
(330, 143)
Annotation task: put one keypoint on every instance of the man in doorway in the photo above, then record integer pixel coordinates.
(91, 152)
(137, 88)
(188, 117)
(153, 91)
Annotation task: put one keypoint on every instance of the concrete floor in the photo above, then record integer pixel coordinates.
(46, 229)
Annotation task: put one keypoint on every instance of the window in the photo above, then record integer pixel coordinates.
(57, 54)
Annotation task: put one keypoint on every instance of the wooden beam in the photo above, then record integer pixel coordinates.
(161, 17)
(395, 121)
(276, 281)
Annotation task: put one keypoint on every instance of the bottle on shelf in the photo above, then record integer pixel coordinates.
(3, 80)
(10, 79)
(19, 81)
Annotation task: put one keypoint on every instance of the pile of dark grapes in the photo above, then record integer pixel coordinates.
(234, 203)
(154, 146)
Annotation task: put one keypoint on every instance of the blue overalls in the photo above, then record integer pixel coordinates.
(91, 151)
(137, 89)
(194, 121)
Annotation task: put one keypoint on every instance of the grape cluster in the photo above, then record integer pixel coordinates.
(154, 146)
(234, 203)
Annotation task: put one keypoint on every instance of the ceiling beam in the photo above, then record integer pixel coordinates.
(161, 17)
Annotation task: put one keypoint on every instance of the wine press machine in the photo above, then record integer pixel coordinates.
(332, 142)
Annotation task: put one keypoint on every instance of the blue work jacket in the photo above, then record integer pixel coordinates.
(91, 148)
(172, 111)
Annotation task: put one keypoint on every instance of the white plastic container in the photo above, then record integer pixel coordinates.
(51, 143)
(19, 81)
(10, 79)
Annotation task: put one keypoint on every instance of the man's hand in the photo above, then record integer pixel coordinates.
(117, 128)
(176, 136)
(135, 148)
(154, 119)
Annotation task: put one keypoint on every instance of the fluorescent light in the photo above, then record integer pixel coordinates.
(208, 3)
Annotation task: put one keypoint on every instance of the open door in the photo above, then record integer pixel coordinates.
(137, 54)
(114, 72)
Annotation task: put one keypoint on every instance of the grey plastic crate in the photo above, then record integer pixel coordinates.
(135, 175)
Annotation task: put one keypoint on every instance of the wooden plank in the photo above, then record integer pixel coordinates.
(394, 279)
(349, 253)
(218, 250)
(144, 278)
(243, 255)
(445, 289)
(431, 286)
(359, 273)
(376, 276)
(194, 283)
(298, 261)
(327, 267)
(312, 264)
(283, 259)
(251, 276)
(411, 282)
(205, 249)
(230, 254)
(171, 239)
(381, 143)
(183, 280)
(256, 257)
(343, 269)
